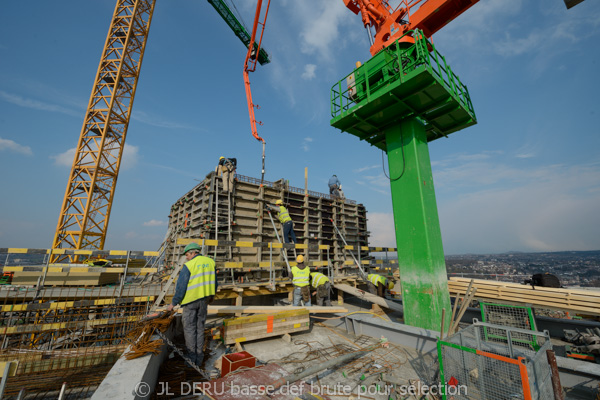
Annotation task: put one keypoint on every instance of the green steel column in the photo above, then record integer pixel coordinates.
(418, 236)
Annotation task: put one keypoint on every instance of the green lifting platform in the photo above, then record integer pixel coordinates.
(399, 100)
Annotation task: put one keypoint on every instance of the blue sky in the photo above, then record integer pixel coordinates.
(526, 177)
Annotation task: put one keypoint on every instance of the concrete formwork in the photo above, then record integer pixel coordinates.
(207, 212)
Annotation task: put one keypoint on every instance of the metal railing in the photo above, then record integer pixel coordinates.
(365, 81)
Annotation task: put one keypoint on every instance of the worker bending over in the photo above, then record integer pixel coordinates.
(286, 221)
(335, 187)
(321, 282)
(301, 282)
(226, 169)
(379, 284)
(196, 288)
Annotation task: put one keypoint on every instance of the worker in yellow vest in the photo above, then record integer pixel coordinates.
(196, 288)
(321, 282)
(379, 284)
(301, 282)
(286, 221)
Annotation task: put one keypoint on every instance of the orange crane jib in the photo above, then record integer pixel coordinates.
(389, 24)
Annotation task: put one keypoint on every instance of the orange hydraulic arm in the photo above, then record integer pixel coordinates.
(250, 66)
(389, 24)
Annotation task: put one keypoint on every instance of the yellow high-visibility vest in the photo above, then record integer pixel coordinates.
(202, 279)
(318, 279)
(283, 215)
(374, 279)
(301, 277)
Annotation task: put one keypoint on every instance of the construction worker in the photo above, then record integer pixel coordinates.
(301, 282)
(321, 282)
(226, 169)
(379, 284)
(335, 187)
(284, 217)
(196, 288)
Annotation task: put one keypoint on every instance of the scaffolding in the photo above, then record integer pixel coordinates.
(208, 212)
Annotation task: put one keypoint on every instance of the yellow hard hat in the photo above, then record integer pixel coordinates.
(391, 285)
(300, 259)
(279, 202)
(220, 158)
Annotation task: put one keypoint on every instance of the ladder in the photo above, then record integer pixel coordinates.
(362, 272)
(228, 218)
(283, 249)
(164, 291)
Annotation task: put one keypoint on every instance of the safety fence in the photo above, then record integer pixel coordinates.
(496, 366)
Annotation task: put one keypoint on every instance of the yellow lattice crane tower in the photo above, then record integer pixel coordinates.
(86, 207)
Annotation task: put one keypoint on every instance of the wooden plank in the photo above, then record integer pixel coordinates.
(286, 313)
(275, 325)
(533, 296)
(259, 332)
(263, 326)
(212, 310)
(538, 293)
(583, 292)
(369, 297)
(559, 299)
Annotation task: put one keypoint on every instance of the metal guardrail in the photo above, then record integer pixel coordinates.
(348, 93)
(292, 189)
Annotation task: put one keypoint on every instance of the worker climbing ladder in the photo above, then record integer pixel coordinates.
(283, 249)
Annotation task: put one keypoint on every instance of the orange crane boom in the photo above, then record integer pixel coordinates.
(389, 24)
(250, 66)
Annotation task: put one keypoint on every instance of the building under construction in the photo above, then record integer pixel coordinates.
(207, 213)
(83, 322)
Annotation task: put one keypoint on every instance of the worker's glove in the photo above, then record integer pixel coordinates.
(211, 299)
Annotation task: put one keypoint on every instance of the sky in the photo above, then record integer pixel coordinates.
(525, 178)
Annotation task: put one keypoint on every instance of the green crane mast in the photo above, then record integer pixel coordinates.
(402, 98)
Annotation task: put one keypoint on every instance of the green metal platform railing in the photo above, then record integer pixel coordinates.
(406, 72)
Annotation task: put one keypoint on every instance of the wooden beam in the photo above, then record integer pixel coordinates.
(267, 309)
(361, 294)
(576, 300)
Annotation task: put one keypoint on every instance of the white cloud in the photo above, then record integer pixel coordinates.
(363, 169)
(11, 145)
(322, 22)
(35, 104)
(525, 155)
(305, 142)
(128, 160)
(157, 121)
(381, 226)
(154, 222)
(309, 72)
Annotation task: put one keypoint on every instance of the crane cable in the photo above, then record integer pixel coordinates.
(403, 162)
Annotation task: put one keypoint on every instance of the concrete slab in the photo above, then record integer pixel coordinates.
(133, 379)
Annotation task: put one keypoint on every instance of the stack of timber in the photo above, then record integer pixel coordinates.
(237, 330)
(576, 300)
(206, 212)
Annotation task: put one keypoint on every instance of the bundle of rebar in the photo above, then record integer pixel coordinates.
(140, 338)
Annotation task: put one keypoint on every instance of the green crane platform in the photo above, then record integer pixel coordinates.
(402, 98)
